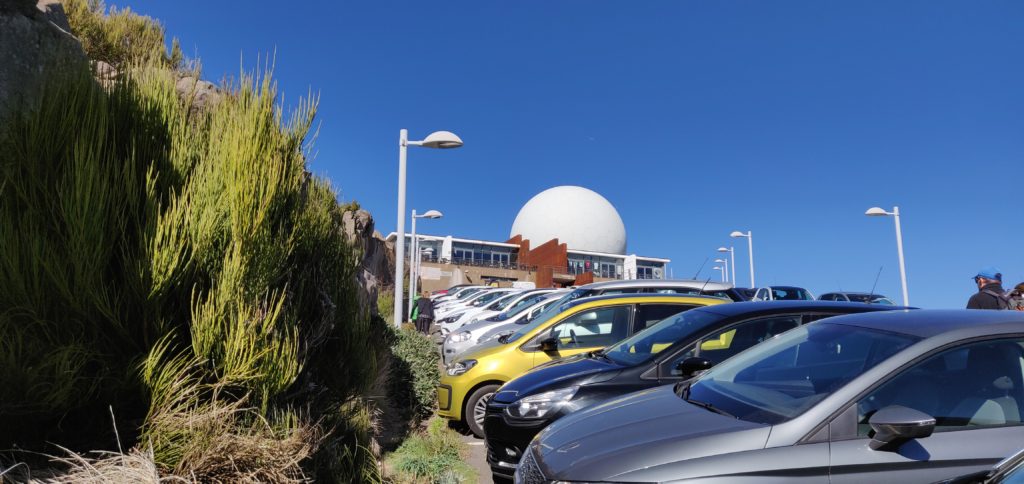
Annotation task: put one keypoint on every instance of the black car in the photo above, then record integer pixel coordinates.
(669, 351)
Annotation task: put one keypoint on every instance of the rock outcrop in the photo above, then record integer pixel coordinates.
(377, 265)
(35, 45)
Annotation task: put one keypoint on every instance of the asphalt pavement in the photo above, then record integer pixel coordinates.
(478, 458)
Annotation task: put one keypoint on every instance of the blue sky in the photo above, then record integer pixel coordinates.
(694, 118)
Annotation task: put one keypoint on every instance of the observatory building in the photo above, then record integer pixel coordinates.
(563, 236)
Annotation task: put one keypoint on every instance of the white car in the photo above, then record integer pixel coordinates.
(782, 293)
(506, 303)
(460, 317)
(468, 336)
(452, 306)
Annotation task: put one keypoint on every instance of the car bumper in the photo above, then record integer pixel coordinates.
(507, 439)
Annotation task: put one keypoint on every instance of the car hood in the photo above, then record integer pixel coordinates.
(635, 434)
(556, 374)
(479, 327)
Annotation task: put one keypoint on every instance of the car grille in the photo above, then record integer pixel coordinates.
(528, 471)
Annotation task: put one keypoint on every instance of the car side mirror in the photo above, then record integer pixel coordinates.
(896, 424)
(549, 344)
(693, 365)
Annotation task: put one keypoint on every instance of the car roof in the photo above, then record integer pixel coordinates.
(855, 293)
(667, 283)
(801, 305)
(926, 323)
(637, 297)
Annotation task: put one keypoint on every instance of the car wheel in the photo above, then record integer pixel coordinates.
(476, 408)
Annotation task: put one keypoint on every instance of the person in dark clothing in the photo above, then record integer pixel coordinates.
(990, 290)
(425, 313)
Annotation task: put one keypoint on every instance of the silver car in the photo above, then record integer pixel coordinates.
(893, 396)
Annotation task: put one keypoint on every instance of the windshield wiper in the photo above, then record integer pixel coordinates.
(600, 354)
(705, 405)
(503, 338)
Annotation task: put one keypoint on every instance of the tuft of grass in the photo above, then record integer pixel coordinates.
(434, 456)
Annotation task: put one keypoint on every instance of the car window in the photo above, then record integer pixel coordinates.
(780, 379)
(972, 386)
(648, 315)
(644, 345)
(597, 327)
(720, 345)
(828, 297)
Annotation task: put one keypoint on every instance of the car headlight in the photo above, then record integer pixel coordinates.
(461, 336)
(460, 367)
(537, 406)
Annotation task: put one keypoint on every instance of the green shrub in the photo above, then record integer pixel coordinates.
(386, 306)
(414, 374)
(183, 266)
(120, 37)
(434, 456)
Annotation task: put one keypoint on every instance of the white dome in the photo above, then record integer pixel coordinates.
(577, 217)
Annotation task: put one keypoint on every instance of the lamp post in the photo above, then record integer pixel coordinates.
(722, 269)
(437, 139)
(725, 264)
(750, 250)
(414, 252)
(879, 212)
(732, 255)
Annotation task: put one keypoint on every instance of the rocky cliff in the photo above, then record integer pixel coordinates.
(377, 266)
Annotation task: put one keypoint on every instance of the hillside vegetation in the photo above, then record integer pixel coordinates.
(174, 284)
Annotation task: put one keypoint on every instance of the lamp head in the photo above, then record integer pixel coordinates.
(717, 268)
(737, 233)
(720, 261)
(442, 139)
(876, 212)
(432, 214)
(723, 249)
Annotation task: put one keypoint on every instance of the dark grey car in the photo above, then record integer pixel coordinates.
(898, 396)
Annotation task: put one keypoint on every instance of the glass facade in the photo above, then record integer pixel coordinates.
(604, 267)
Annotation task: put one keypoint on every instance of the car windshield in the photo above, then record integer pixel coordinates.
(483, 297)
(523, 305)
(505, 301)
(780, 379)
(552, 310)
(508, 296)
(467, 293)
(644, 345)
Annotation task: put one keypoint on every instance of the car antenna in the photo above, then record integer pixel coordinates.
(700, 268)
(705, 285)
(876, 281)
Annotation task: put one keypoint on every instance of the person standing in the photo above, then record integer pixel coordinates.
(990, 293)
(1017, 297)
(425, 313)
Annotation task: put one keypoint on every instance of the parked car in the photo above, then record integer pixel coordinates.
(537, 312)
(493, 308)
(481, 298)
(1008, 471)
(484, 305)
(457, 295)
(861, 297)
(886, 396)
(782, 293)
(524, 406)
(579, 326)
(466, 337)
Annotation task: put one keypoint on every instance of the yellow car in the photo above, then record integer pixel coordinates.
(575, 327)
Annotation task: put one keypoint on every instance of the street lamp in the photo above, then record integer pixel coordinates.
(720, 268)
(750, 250)
(724, 262)
(437, 139)
(732, 256)
(414, 252)
(879, 212)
